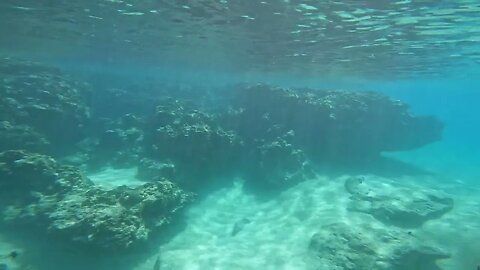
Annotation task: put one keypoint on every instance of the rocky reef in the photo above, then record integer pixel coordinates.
(273, 137)
(193, 141)
(331, 125)
(37, 193)
(43, 104)
(394, 204)
(278, 165)
(340, 246)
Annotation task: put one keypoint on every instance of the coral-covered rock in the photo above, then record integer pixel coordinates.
(394, 204)
(152, 170)
(118, 219)
(193, 141)
(331, 124)
(278, 164)
(21, 137)
(45, 100)
(23, 173)
(37, 193)
(120, 142)
(343, 247)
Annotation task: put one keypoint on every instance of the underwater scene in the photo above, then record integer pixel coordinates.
(240, 134)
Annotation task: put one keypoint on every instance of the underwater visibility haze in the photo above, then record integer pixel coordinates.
(231, 135)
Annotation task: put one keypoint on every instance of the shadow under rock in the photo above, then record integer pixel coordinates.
(381, 166)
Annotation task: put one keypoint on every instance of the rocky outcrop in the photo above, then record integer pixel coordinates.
(152, 170)
(394, 204)
(330, 125)
(37, 193)
(193, 141)
(343, 247)
(278, 165)
(14, 136)
(44, 101)
(119, 142)
(271, 136)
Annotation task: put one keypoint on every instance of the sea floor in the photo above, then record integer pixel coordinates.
(280, 227)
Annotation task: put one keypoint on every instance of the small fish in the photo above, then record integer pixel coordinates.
(12, 255)
(156, 266)
(238, 226)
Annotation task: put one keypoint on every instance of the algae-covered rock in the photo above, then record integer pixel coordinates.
(21, 137)
(278, 165)
(152, 170)
(22, 173)
(395, 204)
(118, 219)
(44, 102)
(39, 194)
(331, 125)
(193, 141)
(120, 142)
(343, 247)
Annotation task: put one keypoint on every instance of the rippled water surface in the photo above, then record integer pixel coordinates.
(360, 38)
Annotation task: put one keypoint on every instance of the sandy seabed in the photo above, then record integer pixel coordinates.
(281, 227)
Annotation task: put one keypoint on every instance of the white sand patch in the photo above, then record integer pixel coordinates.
(281, 228)
(110, 178)
(277, 237)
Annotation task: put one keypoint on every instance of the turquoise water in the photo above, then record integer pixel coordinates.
(221, 134)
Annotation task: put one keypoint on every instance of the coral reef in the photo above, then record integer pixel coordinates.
(193, 141)
(331, 124)
(119, 142)
(271, 136)
(42, 102)
(393, 204)
(340, 246)
(278, 165)
(21, 137)
(151, 170)
(38, 193)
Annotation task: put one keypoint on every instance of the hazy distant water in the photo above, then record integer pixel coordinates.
(454, 102)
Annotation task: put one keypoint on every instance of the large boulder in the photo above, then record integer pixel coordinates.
(38, 194)
(193, 141)
(394, 204)
(277, 165)
(330, 124)
(341, 246)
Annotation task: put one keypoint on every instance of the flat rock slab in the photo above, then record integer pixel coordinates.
(396, 203)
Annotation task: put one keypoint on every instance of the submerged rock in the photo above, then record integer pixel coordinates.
(394, 204)
(331, 125)
(151, 170)
(193, 141)
(14, 136)
(44, 103)
(278, 165)
(119, 142)
(39, 194)
(343, 247)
